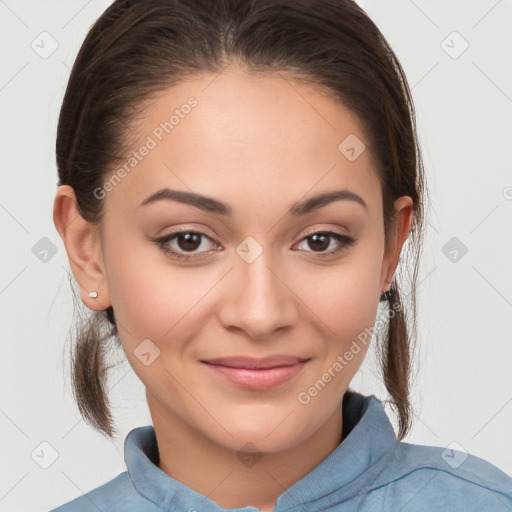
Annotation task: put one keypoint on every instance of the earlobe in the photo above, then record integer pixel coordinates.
(83, 247)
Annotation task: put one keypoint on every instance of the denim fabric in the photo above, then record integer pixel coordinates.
(370, 471)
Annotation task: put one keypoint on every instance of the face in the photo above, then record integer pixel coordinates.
(193, 286)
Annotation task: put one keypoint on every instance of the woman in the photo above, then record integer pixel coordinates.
(237, 180)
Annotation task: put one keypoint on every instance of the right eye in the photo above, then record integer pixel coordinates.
(186, 242)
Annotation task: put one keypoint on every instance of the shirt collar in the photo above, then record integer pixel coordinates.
(347, 470)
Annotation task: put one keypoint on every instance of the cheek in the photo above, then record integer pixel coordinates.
(151, 299)
(154, 301)
(346, 296)
(344, 300)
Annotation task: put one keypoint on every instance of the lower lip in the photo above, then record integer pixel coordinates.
(261, 379)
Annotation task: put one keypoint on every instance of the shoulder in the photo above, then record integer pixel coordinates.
(422, 477)
(116, 495)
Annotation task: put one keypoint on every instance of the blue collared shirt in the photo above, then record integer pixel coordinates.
(370, 471)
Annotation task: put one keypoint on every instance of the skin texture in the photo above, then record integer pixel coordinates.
(259, 143)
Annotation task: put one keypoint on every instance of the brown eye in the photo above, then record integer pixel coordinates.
(185, 242)
(188, 241)
(320, 241)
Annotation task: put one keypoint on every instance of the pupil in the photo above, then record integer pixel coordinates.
(324, 243)
(191, 241)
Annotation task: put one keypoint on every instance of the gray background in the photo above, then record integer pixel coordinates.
(463, 392)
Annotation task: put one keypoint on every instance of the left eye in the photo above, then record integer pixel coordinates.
(321, 240)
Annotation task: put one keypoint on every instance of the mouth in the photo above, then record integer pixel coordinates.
(256, 373)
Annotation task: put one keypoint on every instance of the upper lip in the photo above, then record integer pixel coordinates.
(254, 362)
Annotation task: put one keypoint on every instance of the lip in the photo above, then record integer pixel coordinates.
(256, 373)
(248, 362)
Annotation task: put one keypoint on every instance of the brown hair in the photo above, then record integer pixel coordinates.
(139, 48)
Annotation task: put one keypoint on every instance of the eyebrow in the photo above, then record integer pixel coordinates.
(210, 205)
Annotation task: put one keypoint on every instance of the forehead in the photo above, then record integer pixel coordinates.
(249, 138)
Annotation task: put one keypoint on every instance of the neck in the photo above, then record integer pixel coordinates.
(232, 479)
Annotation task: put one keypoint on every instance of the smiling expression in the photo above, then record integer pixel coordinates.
(245, 233)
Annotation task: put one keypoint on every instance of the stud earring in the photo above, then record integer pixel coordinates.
(93, 295)
(385, 295)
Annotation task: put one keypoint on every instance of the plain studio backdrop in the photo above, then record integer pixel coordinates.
(457, 57)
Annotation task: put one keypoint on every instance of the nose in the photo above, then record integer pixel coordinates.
(258, 299)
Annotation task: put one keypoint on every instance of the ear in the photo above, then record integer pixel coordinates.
(402, 228)
(83, 246)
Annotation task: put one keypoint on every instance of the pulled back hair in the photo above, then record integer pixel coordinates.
(138, 48)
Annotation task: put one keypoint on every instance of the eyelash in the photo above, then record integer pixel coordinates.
(344, 240)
